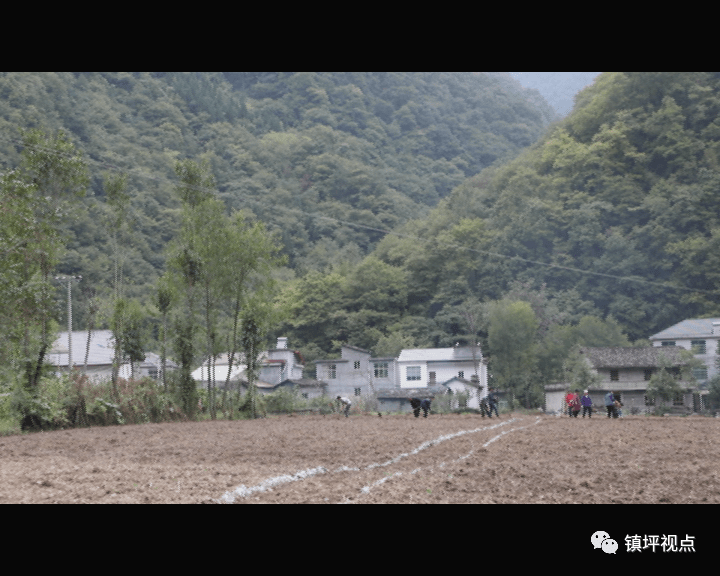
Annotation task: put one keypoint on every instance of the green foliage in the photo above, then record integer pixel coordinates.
(713, 396)
(66, 402)
(624, 188)
(286, 400)
(578, 373)
(664, 385)
(35, 204)
(512, 328)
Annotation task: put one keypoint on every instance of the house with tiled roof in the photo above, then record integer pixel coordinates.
(700, 335)
(626, 371)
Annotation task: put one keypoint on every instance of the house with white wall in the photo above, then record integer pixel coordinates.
(100, 352)
(276, 365)
(699, 335)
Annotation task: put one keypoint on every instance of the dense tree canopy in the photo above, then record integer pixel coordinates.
(402, 200)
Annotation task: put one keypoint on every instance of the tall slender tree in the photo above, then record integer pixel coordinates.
(186, 269)
(119, 201)
(52, 172)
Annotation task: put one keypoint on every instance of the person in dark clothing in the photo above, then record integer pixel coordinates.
(586, 402)
(415, 403)
(610, 405)
(493, 402)
(425, 405)
(484, 407)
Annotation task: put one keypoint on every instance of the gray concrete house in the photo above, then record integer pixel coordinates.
(627, 372)
(355, 373)
(416, 372)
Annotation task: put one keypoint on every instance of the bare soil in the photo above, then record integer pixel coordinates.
(369, 459)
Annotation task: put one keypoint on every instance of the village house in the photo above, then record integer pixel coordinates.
(100, 356)
(278, 366)
(699, 335)
(626, 371)
(417, 372)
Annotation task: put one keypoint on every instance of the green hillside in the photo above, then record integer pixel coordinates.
(412, 209)
(614, 212)
(306, 153)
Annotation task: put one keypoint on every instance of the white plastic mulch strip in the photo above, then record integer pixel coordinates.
(366, 489)
(243, 491)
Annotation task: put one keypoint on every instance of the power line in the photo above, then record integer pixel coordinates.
(340, 222)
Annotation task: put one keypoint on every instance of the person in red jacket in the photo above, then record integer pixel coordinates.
(568, 401)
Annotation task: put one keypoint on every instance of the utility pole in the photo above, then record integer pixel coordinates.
(69, 280)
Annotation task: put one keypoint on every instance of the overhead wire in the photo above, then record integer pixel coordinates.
(341, 222)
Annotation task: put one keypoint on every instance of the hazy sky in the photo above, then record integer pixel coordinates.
(558, 88)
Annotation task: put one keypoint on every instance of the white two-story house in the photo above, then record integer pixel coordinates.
(700, 335)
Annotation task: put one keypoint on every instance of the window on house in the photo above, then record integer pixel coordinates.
(431, 376)
(649, 401)
(648, 373)
(381, 370)
(305, 395)
(358, 391)
(697, 346)
(461, 374)
(668, 343)
(700, 373)
(614, 375)
(679, 399)
(356, 365)
(413, 373)
(332, 371)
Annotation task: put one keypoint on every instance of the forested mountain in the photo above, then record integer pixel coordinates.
(326, 160)
(613, 213)
(417, 209)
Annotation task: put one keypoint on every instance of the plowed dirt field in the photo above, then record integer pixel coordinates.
(369, 459)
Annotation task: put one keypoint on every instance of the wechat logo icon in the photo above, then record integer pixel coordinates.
(602, 540)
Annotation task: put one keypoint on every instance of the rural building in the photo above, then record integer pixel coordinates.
(700, 335)
(355, 373)
(307, 388)
(276, 365)
(415, 372)
(626, 371)
(101, 352)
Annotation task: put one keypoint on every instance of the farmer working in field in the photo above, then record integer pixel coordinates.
(485, 407)
(425, 405)
(346, 402)
(415, 403)
(493, 402)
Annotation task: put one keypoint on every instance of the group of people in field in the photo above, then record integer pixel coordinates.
(574, 403)
(488, 405)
